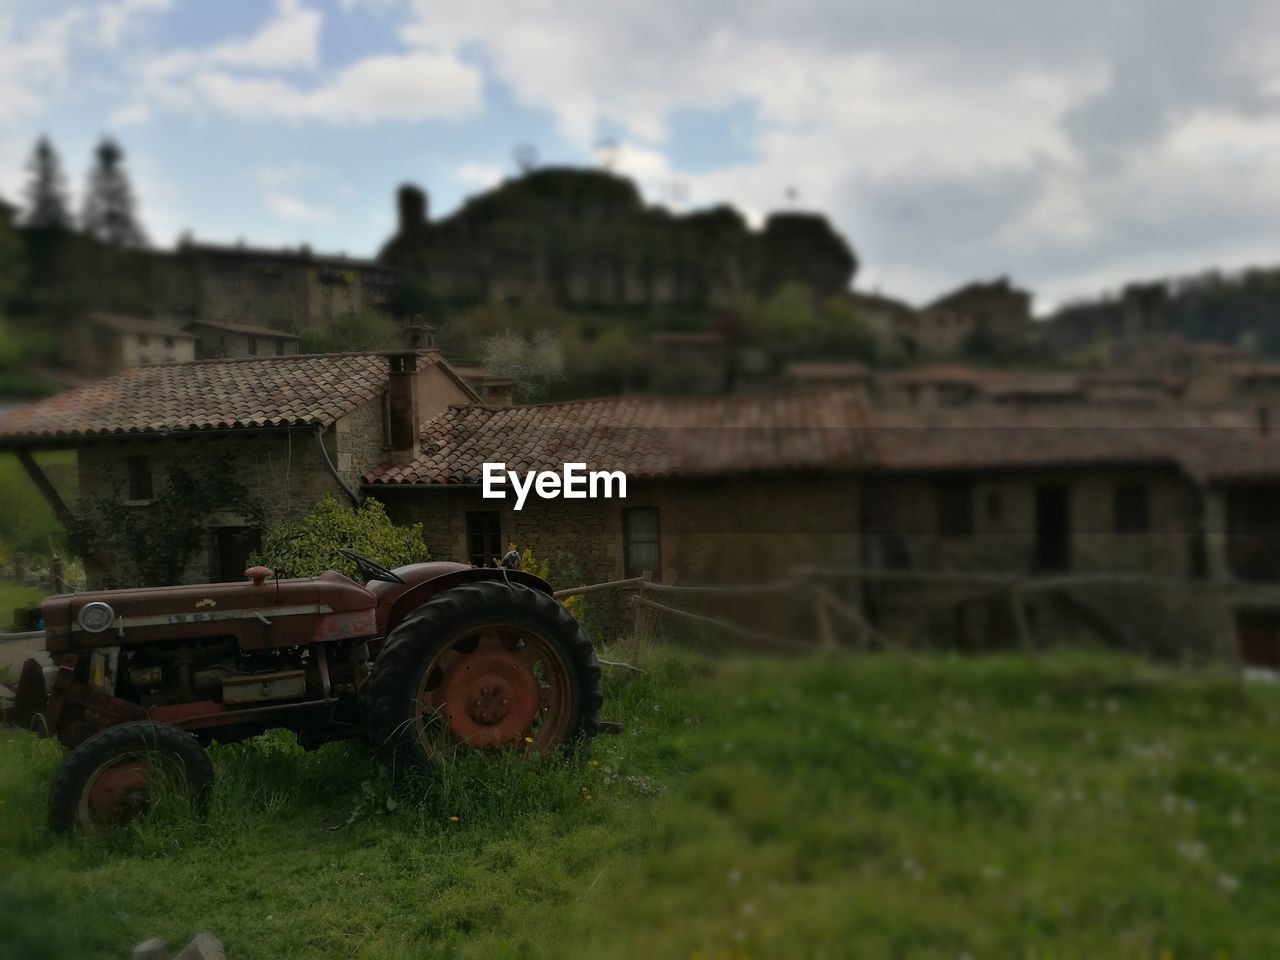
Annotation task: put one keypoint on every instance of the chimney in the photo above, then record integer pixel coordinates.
(411, 203)
(420, 335)
(402, 407)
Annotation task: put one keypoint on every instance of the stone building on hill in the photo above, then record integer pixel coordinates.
(586, 238)
(292, 291)
(101, 344)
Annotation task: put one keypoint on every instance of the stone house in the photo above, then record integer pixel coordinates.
(997, 312)
(1037, 493)
(101, 344)
(219, 340)
(294, 427)
(288, 290)
(719, 489)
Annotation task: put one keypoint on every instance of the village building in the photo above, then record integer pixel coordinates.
(993, 317)
(101, 344)
(736, 489)
(717, 487)
(292, 291)
(295, 428)
(219, 340)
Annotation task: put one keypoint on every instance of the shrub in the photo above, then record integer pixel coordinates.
(308, 547)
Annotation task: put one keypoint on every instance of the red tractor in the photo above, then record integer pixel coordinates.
(420, 660)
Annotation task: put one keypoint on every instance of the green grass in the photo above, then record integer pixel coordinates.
(27, 522)
(14, 595)
(860, 807)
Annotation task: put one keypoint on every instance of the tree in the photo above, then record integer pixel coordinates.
(10, 274)
(533, 364)
(110, 214)
(354, 333)
(155, 543)
(47, 204)
(308, 547)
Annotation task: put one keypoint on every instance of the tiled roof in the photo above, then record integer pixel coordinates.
(1216, 447)
(207, 395)
(827, 370)
(248, 329)
(644, 436)
(123, 324)
(829, 430)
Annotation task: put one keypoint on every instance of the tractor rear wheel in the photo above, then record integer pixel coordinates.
(110, 778)
(484, 665)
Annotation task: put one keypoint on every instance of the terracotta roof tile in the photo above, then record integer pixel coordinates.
(644, 436)
(832, 430)
(207, 395)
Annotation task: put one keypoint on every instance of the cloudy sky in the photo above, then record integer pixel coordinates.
(1071, 146)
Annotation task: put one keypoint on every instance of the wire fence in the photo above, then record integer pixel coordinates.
(845, 609)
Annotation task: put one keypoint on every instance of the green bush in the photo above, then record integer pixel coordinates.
(308, 547)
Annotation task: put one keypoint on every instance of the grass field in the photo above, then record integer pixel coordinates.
(14, 595)
(27, 522)
(859, 807)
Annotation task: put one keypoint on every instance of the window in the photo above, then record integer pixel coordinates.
(1129, 502)
(995, 507)
(484, 537)
(955, 508)
(168, 341)
(253, 346)
(641, 545)
(139, 469)
(279, 348)
(142, 339)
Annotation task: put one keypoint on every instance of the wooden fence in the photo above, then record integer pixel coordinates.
(842, 625)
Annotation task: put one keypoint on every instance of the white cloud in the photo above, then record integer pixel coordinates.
(290, 41)
(114, 19)
(408, 88)
(280, 187)
(482, 175)
(255, 78)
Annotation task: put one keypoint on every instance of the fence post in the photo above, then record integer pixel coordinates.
(637, 615)
(1019, 612)
(55, 574)
(826, 636)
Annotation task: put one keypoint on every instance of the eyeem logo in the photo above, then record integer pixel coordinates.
(575, 482)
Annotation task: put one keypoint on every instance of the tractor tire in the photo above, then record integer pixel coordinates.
(484, 665)
(105, 781)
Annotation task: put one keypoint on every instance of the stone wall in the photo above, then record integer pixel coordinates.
(717, 530)
(283, 469)
(902, 518)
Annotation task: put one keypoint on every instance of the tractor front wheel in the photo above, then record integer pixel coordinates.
(484, 665)
(110, 779)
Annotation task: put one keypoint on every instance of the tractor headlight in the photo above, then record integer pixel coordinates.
(97, 616)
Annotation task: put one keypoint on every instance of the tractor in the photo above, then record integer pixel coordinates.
(420, 660)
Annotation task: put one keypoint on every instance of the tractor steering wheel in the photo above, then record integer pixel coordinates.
(368, 569)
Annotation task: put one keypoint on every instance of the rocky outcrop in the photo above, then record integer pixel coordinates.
(586, 237)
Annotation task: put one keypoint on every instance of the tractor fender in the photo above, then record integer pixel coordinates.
(420, 593)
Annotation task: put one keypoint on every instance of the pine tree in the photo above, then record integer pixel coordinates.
(109, 214)
(47, 203)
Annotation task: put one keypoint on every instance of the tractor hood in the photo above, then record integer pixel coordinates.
(272, 613)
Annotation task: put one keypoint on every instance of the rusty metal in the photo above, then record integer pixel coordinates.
(116, 793)
(499, 686)
(228, 660)
(261, 687)
(30, 698)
